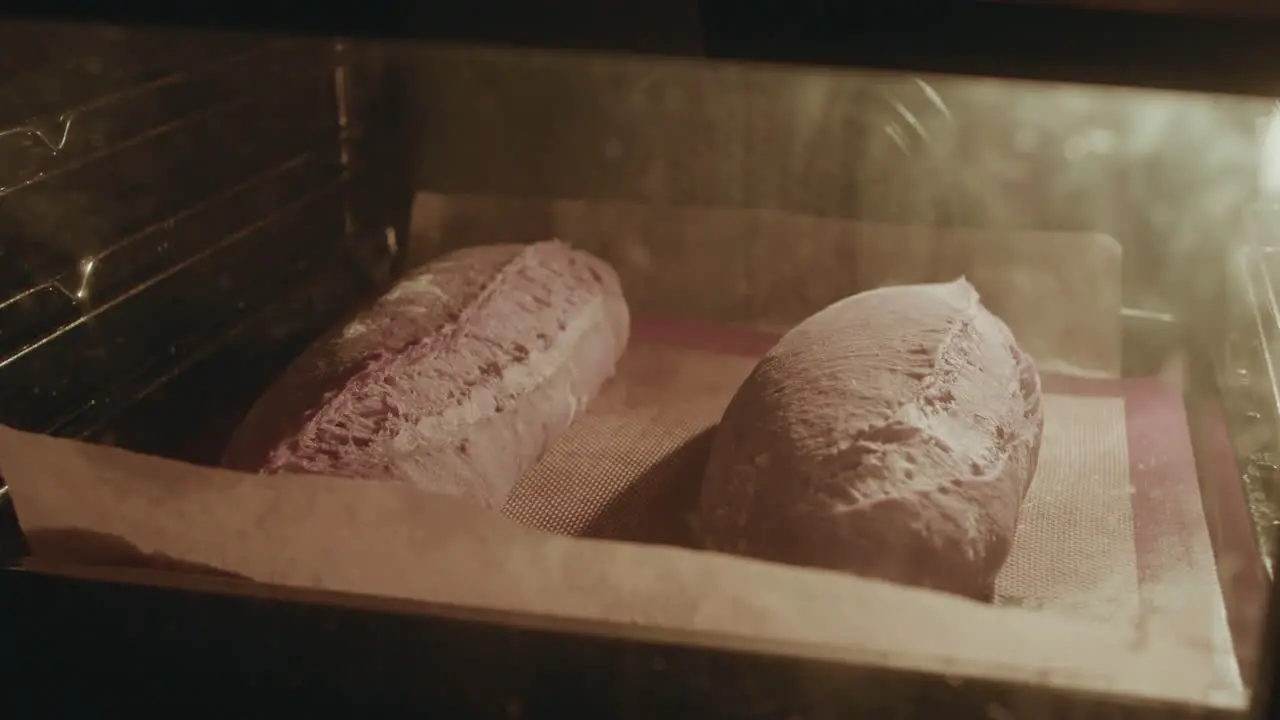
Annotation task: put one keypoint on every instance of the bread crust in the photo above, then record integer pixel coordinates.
(456, 380)
(891, 435)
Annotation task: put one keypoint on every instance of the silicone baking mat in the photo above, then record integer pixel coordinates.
(1113, 528)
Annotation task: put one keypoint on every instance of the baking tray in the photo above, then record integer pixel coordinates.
(474, 663)
(1113, 528)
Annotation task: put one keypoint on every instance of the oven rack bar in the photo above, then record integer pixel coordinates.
(48, 68)
(73, 288)
(35, 125)
(97, 148)
(184, 264)
(69, 370)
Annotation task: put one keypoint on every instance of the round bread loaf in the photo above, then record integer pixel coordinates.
(892, 435)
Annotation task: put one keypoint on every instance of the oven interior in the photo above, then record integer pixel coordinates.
(183, 212)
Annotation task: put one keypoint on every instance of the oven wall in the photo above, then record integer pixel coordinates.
(1166, 175)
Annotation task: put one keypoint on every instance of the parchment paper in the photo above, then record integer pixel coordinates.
(1059, 292)
(392, 541)
(1112, 528)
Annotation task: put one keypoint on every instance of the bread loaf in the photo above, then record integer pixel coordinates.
(456, 380)
(892, 435)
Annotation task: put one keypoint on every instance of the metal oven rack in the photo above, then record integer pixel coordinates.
(1249, 378)
(179, 211)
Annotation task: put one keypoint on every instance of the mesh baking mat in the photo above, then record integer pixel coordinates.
(1112, 528)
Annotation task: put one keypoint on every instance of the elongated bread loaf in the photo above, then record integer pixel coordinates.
(892, 435)
(456, 380)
